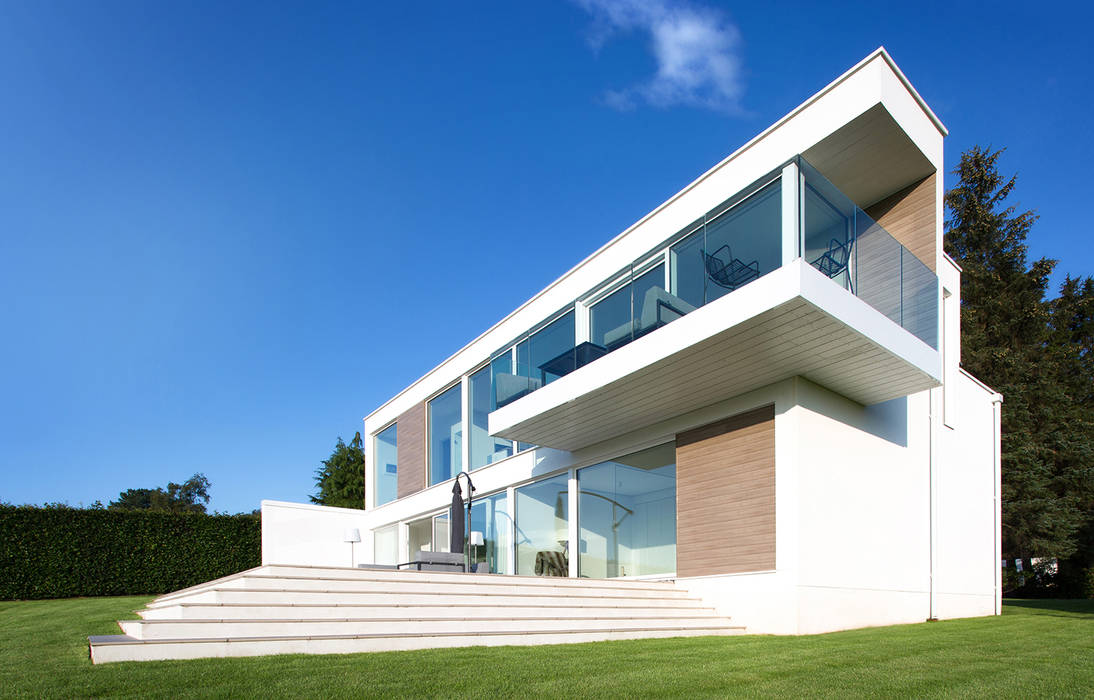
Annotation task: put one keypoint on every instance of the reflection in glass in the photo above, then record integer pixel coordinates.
(419, 537)
(484, 449)
(441, 541)
(542, 517)
(387, 461)
(744, 242)
(627, 515)
(490, 517)
(445, 436)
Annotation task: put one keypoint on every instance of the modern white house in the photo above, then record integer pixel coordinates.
(749, 400)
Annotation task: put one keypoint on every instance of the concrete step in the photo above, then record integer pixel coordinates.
(396, 596)
(348, 574)
(202, 629)
(105, 649)
(246, 611)
(410, 583)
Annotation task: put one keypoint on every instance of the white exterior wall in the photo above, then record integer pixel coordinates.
(864, 531)
(967, 523)
(307, 535)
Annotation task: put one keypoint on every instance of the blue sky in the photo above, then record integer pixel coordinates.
(228, 231)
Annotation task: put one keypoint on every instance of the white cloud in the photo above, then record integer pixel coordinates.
(696, 50)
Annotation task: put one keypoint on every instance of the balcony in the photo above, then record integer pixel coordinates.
(738, 300)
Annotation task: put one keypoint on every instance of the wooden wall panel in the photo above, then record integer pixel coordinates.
(725, 496)
(909, 215)
(410, 441)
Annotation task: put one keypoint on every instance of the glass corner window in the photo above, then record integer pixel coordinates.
(445, 435)
(386, 459)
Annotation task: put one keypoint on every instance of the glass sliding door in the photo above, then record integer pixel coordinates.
(542, 527)
(484, 449)
(490, 518)
(387, 464)
(627, 515)
(445, 435)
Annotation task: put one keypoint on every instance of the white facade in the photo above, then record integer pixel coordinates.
(886, 464)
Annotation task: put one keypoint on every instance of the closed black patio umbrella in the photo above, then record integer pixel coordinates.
(455, 520)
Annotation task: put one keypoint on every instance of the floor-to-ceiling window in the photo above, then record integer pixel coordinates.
(627, 515)
(386, 458)
(445, 435)
(542, 529)
(490, 519)
(484, 448)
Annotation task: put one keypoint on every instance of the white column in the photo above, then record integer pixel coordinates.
(465, 408)
(511, 499)
(575, 543)
(791, 213)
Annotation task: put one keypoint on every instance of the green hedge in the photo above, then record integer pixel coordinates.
(53, 552)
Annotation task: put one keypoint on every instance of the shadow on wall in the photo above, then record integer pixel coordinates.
(888, 420)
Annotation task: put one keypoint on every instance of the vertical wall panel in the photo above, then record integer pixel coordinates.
(725, 496)
(410, 440)
(909, 215)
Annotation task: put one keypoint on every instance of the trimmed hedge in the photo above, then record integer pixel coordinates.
(54, 552)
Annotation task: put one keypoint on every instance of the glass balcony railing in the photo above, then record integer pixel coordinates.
(844, 243)
(731, 246)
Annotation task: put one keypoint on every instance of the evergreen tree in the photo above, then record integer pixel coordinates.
(1025, 348)
(341, 479)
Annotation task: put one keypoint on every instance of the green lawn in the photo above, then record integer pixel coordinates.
(1036, 649)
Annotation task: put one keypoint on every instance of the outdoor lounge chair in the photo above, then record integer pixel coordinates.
(834, 261)
(727, 271)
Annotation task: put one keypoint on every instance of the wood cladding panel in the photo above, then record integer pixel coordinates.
(410, 441)
(909, 215)
(725, 496)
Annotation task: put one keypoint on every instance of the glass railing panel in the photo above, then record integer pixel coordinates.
(877, 269)
(654, 306)
(844, 243)
(919, 299)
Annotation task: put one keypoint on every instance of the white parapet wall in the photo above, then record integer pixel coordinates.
(306, 535)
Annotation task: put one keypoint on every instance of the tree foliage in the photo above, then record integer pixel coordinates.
(341, 479)
(1037, 353)
(191, 496)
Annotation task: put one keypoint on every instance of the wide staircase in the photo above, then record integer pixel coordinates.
(313, 610)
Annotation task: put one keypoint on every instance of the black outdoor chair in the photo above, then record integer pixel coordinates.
(834, 261)
(727, 271)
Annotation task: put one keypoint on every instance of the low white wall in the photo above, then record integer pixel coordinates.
(306, 535)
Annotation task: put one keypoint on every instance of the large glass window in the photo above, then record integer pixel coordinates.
(641, 305)
(542, 517)
(484, 449)
(445, 436)
(490, 519)
(627, 515)
(386, 457)
(427, 535)
(732, 248)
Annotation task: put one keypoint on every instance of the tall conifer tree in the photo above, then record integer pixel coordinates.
(1010, 341)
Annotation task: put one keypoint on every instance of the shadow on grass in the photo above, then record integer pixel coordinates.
(1052, 606)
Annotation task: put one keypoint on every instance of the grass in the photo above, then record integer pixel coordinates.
(1037, 648)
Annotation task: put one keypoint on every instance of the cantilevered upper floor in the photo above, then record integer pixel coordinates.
(810, 251)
